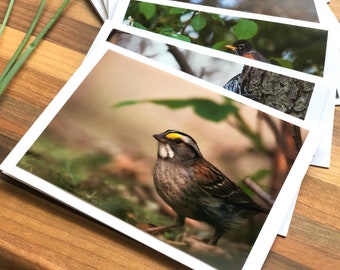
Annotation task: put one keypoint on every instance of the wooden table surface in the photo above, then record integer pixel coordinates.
(38, 233)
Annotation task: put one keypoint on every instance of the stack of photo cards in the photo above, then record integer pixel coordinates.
(249, 82)
(105, 8)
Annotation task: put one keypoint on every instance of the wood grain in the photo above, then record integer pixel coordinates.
(39, 233)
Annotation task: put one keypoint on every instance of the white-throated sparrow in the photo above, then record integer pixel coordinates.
(195, 188)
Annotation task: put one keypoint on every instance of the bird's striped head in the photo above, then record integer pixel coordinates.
(173, 144)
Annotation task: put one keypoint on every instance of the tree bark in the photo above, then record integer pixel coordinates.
(286, 94)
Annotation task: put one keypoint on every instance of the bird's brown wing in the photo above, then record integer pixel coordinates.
(215, 184)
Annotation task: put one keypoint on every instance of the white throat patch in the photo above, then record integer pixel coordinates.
(165, 151)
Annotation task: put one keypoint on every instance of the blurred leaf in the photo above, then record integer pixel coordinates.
(118, 206)
(176, 10)
(170, 32)
(180, 37)
(147, 9)
(166, 31)
(282, 62)
(219, 45)
(126, 103)
(245, 29)
(139, 25)
(217, 18)
(198, 22)
(204, 108)
(90, 161)
(259, 175)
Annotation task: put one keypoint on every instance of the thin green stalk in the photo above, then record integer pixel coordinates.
(8, 12)
(24, 41)
(253, 136)
(31, 47)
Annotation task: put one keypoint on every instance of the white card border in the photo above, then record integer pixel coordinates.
(100, 8)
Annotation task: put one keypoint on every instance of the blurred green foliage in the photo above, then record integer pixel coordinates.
(290, 46)
(81, 173)
(205, 108)
(211, 111)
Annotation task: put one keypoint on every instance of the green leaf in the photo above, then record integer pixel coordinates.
(260, 174)
(176, 10)
(217, 18)
(219, 45)
(170, 32)
(167, 31)
(147, 9)
(198, 22)
(283, 62)
(139, 25)
(205, 108)
(126, 103)
(245, 29)
(180, 37)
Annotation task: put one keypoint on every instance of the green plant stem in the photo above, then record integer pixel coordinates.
(243, 127)
(24, 41)
(31, 47)
(8, 12)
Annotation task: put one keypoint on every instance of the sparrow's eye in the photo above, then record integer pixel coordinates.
(178, 141)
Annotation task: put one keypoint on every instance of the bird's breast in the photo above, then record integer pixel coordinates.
(175, 186)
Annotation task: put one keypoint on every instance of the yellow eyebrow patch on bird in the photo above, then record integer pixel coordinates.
(174, 136)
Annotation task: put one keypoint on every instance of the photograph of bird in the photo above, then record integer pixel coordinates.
(243, 48)
(194, 188)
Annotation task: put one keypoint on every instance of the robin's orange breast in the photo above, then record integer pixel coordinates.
(249, 55)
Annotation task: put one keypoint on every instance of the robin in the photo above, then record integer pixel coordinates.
(244, 48)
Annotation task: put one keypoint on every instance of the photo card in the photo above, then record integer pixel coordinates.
(321, 156)
(111, 7)
(286, 9)
(100, 9)
(101, 145)
(328, 54)
(215, 70)
(271, 40)
(287, 94)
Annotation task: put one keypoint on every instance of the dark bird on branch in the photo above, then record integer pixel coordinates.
(243, 48)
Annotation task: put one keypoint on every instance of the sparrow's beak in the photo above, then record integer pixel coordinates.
(159, 137)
